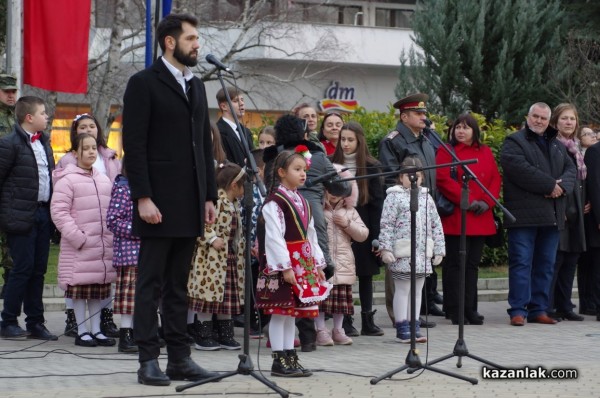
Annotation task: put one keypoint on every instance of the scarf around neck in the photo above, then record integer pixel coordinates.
(573, 148)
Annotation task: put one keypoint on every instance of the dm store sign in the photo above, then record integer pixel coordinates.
(338, 98)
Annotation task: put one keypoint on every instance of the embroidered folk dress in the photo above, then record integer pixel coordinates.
(291, 243)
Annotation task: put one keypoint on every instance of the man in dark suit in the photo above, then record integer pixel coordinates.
(169, 162)
(230, 137)
(592, 161)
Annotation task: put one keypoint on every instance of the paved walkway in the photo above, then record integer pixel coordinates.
(60, 369)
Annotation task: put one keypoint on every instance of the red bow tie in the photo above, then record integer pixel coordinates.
(36, 137)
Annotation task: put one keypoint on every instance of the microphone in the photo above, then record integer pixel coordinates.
(311, 182)
(211, 59)
(375, 244)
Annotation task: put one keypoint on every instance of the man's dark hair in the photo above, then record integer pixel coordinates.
(232, 91)
(171, 25)
(27, 105)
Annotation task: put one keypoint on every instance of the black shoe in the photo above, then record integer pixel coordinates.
(282, 367)
(570, 316)
(85, 343)
(13, 332)
(150, 374)
(293, 359)
(438, 298)
(473, 318)
(106, 341)
(588, 311)
(348, 326)
(186, 369)
(426, 324)
(204, 338)
(126, 342)
(435, 310)
(308, 347)
(368, 324)
(70, 324)
(107, 325)
(226, 339)
(39, 332)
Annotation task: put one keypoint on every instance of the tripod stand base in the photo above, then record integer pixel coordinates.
(246, 368)
(413, 363)
(461, 350)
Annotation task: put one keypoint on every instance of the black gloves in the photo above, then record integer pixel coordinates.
(478, 207)
(329, 271)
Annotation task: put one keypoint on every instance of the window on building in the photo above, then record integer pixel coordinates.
(393, 18)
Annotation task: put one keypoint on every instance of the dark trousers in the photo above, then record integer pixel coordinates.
(365, 292)
(306, 330)
(30, 261)
(163, 271)
(595, 277)
(562, 282)
(585, 285)
(451, 274)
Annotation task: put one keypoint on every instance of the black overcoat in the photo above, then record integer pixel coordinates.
(234, 150)
(168, 151)
(592, 161)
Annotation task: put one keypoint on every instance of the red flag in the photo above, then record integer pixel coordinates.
(55, 44)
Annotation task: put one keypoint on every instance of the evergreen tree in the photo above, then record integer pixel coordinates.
(491, 57)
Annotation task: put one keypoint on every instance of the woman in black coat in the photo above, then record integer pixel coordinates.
(352, 152)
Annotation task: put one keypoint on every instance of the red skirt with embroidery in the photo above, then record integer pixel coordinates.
(275, 296)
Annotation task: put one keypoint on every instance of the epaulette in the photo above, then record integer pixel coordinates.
(391, 135)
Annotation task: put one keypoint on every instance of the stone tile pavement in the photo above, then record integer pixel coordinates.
(60, 369)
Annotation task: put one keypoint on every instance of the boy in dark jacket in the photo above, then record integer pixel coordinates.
(26, 164)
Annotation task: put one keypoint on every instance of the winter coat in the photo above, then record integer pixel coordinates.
(209, 265)
(399, 144)
(78, 209)
(169, 151)
(395, 229)
(592, 162)
(119, 220)
(109, 158)
(486, 172)
(19, 180)
(530, 175)
(340, 241)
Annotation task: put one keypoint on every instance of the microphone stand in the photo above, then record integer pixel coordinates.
(245, 365)
(460, 348)
(413, 362)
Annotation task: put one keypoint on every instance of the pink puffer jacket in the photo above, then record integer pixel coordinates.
(78, 208)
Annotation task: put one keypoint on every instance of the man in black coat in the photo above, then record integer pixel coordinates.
(592, 162)
(169, 163)
(230, 137)
(538, 174)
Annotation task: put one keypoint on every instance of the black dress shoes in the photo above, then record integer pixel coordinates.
(570, 316)
(426, 324)
(187, 369)
(435, 310)
(13, 332)
(150, 374)
(38, 331)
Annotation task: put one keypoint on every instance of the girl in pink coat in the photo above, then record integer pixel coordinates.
(106, 163)
(78, 209)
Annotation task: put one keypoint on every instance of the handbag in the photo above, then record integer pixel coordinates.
(273, 291)
(496, 240)
(443, 205)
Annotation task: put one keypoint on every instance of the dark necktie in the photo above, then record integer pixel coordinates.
(36, 137)
(188, 86)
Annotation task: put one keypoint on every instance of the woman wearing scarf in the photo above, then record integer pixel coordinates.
(572, 238)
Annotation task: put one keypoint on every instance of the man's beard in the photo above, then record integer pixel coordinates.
(184, 59)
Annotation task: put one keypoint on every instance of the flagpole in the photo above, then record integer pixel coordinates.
(148, 58)
(14, 42)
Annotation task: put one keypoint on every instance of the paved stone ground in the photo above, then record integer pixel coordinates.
(60, 369)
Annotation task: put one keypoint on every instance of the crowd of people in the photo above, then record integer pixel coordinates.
(159, 234)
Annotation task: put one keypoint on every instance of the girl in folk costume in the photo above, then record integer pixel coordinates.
(216, 281)
(344, 225)
(395, 245)
(291, 281)
(126, 249)
(79, 205)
